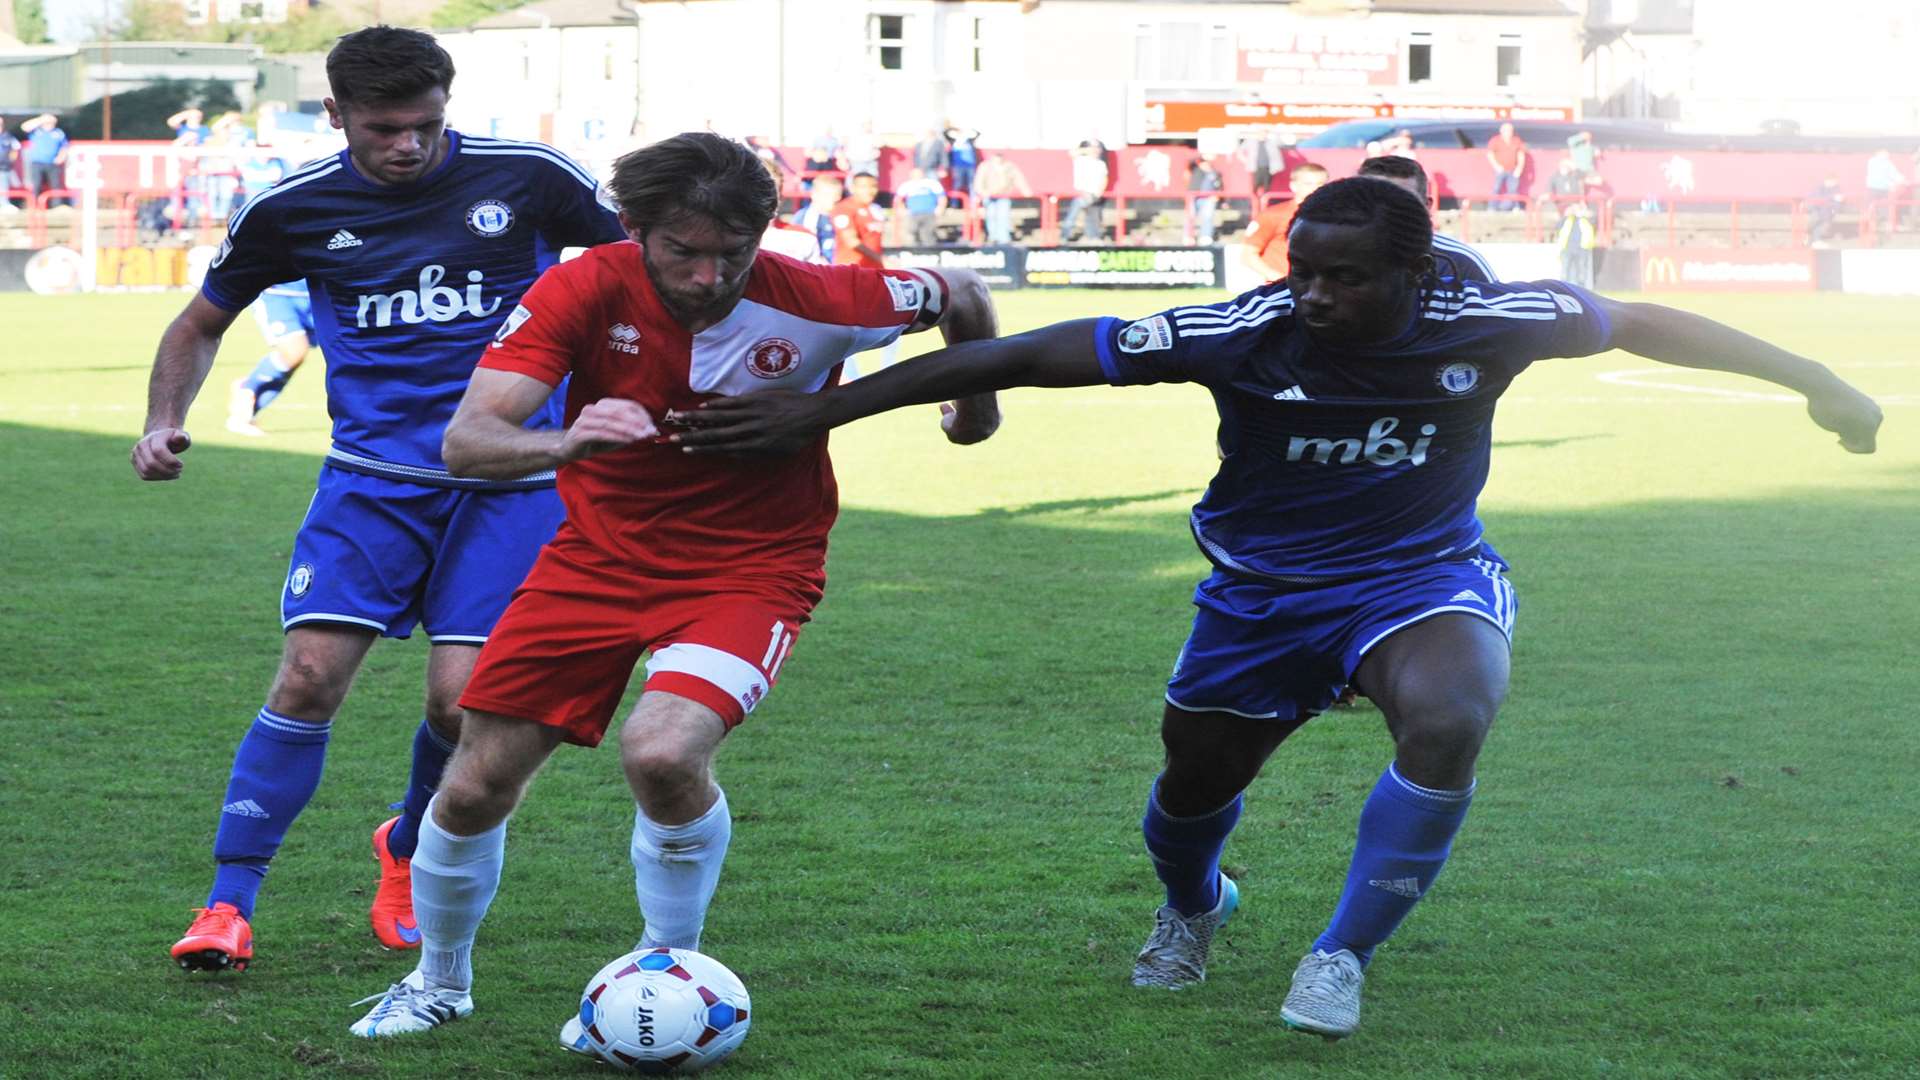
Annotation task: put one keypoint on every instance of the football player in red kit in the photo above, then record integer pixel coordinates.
(710, 564)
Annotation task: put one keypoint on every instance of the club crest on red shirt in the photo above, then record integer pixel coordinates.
(773, 357)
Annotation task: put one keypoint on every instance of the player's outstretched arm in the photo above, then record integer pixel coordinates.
(180, 365)
(485, 438)
(784, 421)
(1688, 340)
(970, 316)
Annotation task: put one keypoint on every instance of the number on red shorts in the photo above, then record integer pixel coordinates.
(779, 643)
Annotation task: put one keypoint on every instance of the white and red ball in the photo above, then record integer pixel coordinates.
(664, 1011)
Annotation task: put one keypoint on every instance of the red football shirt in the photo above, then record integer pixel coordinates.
(856, 223)
(1268, 234)
(659, 510)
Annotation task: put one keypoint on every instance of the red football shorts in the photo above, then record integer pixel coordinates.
(563, 653)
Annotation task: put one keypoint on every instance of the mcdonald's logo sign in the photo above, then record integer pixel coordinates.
(1658, 270)
(1727, 269)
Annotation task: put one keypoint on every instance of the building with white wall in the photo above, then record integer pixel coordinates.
(1732, 66)
(597, 76)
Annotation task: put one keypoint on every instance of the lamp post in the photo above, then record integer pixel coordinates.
(106, 72)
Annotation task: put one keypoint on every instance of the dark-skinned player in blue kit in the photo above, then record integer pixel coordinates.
(1356, 400)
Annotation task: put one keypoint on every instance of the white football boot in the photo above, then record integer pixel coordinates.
(408, 1007)
(573, 1036)
(1325, 998)
(1175, 954)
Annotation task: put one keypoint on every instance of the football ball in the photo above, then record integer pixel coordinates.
(664, 1011)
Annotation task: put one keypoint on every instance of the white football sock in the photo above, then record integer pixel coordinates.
(675, 870)
(454, 879)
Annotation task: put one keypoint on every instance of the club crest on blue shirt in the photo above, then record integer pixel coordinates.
(1458, 378)
(1147, 335)
(489, 217)
(300, 580)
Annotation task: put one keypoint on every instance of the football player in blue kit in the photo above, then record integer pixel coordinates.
(285, 315)
(1452, 258)
(1356, 400)
(416, 243)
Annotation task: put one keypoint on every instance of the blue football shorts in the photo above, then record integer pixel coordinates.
(281, 316)
(387, 554)
(1268, 652)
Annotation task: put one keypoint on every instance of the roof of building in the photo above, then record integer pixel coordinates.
(560, 13)
(1475, 7)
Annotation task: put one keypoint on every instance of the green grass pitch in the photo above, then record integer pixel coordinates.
(1693, 853)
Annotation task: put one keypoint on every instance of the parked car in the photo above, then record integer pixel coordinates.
(1608, 134)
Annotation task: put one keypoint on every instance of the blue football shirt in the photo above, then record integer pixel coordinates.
(409, 282)
(1349, 461)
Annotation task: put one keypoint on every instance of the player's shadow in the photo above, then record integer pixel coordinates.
(1087, 506)
(936, 810)
(1548, 444)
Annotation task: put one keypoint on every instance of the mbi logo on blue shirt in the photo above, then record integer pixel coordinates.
(431, 302)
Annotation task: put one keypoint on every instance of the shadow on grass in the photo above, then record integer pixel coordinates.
(1548, 444)
(946, 781)
(1060, 506)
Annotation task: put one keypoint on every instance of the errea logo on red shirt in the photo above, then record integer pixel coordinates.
(623, 337)
(770, 358)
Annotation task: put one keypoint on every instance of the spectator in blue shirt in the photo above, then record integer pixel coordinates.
(963, 157)
(9, 160)
(46, 153)
(922, 198)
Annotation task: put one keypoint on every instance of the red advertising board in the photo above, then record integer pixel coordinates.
(1341, 58)
(1726, 270)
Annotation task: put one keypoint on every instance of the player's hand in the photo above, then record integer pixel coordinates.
(1848, 413)
(769, 422)
(970, 420)
(607, 424)
(157, 455)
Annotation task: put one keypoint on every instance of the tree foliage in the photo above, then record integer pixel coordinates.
(142, 113)
(30, 21)
(312, 30)
(467, 12)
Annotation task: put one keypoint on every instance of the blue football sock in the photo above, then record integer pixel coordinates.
(1186, 852)
(1406, 832)
(266, 381)
(275, 772)
(430, 753)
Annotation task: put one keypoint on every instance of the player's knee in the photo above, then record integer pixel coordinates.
(443, 716)
(307, 687)
(1446, 731)
(663, 769)
(472, 800)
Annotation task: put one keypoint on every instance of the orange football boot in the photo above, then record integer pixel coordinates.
(218, 939)
(392, 912)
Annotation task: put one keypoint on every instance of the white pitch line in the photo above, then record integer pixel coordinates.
(1637, 378)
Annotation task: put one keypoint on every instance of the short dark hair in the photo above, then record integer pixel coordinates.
(696, 172)
(1402, 230)
(864, 173)
(386, 64)
(1395, 167)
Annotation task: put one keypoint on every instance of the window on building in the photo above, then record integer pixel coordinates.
(606, 62)
(196, 11)
(1508, 70)
(979, 44)
(526, 61)
(1419, 57)
(1183, 52)
(887, 41)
